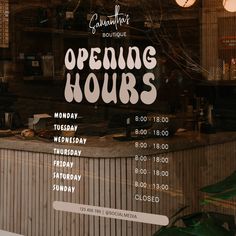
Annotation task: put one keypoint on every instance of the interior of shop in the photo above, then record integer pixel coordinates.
(195, 54)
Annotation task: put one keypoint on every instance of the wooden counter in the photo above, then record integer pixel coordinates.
(107, 147)
(107, 169)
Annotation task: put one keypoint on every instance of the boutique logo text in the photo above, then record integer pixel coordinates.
(117, 20)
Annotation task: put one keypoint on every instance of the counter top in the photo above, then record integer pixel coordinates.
(108, 147)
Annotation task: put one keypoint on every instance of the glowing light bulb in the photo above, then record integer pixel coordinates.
(185, 3)
(229, 5)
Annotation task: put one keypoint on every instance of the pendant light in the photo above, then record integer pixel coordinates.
(185, 3)
(229, 5)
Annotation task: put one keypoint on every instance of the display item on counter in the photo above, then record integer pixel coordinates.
(28, 133)
(233, 69)
(226, 69)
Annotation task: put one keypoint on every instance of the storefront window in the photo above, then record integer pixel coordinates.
(117, 117)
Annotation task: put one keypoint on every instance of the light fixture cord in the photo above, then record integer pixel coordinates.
(185, 3)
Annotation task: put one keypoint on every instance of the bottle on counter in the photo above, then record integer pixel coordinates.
(209, 114)
(201, 119)
(226, 70)
(233, 69)
(201, 112)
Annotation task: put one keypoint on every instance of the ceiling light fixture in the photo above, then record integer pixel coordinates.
(185, 3)
(229, 5)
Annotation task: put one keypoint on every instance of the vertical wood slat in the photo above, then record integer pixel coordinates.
(134, 191)
(45, 191)
(1, 188)
(30, 193)
(113, 194)
(77, 197)
(65, 199)
(14, 176)
(82, 196)
(60, 197)
(139, 206)
(91, 195)
(26, 195)
(19, 184)
(12, 189)
(68, 199)
(73, 219)
(96, 196)
(35, 200)
(107, 196)
(149, 193)
(23, 199)
(118, 194)
(86, 188)
(40, 193)
(5, 193)
(123, 193)
(145, 192)
(52, 216)
(102, 194)
(129, 194)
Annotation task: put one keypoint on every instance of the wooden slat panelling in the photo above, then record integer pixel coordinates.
(26, 194)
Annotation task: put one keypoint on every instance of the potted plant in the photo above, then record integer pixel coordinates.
(206, 223)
